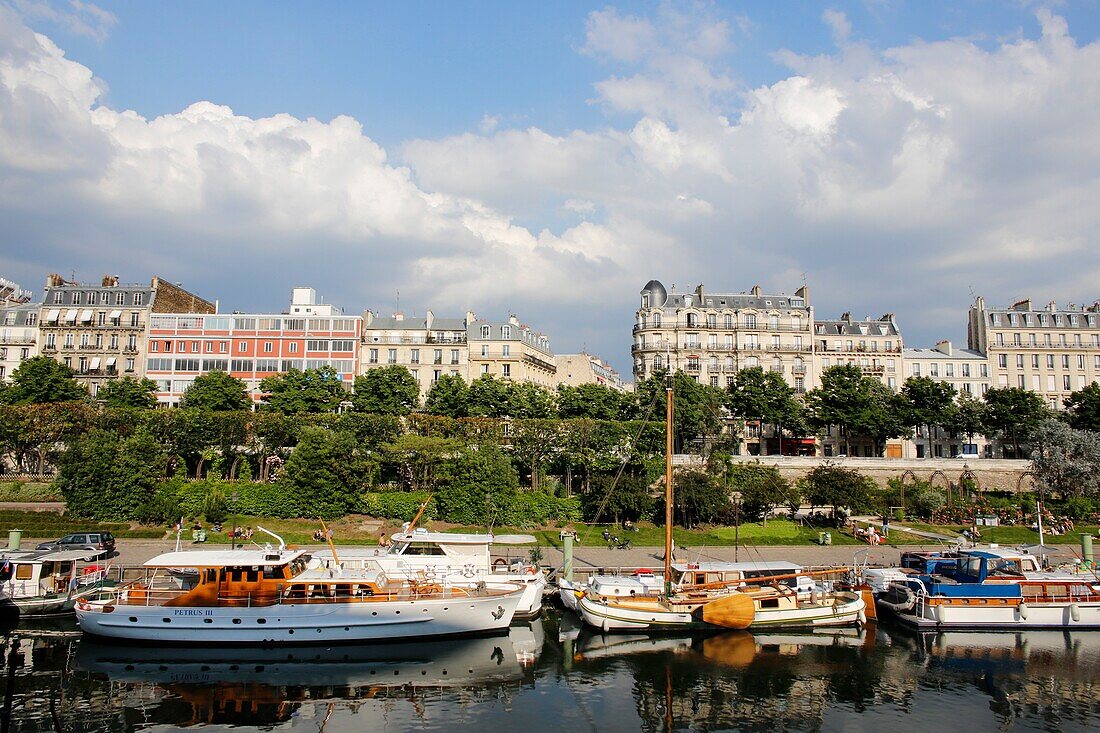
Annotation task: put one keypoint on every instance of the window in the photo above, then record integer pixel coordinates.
(1020, 381)
(293, 347)
(437, 356)
(454, 354)
(139, 298)
(317, 345)
(1050, 361)
(506, 350)
(414, 358)
(1080, 361)
(342, 345)
(262, 365)
(773, 323)
(484, 369)
(131, 342)
(1019, 361)
(187, 365)
(966, 370)
(949, 370)
(58, 297)
(154, 346)
(240, 365)
(485, 332)
(1065, 361)
(120, 298)
(268, 346)
(134, 319)
(506, 370)
(1052, 384)
(1002, 361)
(750, 321)
(101, 318)
(391, 356)
(77, 298)
(372, 357)
(712, 322)
(506, 332)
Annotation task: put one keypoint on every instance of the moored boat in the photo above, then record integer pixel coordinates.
(40, 583)
(273, 596)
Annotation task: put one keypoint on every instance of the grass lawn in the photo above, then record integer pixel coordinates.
(1009, 535)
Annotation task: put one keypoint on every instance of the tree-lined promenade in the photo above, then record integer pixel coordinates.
(493, 451)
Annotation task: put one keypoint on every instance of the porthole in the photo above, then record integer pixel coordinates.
(261, 620)
(236, 620)
(166, 620)
(374, 613)
(397, 612)
(208, 620)
(291, 632)
(133, 619)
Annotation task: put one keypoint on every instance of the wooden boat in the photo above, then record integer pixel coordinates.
(48, 582)
(702, 601)
(273, 596)
(461, 560)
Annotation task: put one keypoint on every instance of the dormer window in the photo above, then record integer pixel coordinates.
(506, 332)
(645, 300)
(485, 332)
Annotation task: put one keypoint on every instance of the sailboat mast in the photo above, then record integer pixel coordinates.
(668, 488)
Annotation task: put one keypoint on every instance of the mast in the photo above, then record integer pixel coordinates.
(668, 488)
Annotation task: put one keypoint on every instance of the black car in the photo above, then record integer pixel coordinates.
(101, 542)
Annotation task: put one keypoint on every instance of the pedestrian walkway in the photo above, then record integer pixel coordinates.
(876, 522)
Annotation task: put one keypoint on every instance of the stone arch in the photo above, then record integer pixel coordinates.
(967, 479)
(906, 474)
(947, 487)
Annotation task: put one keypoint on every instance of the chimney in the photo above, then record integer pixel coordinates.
(846, 316)
(944, 346)
(804, 293)
(398, 316)
(110, 281)
(368, 318)
(429, 319)
(1052, 306)
(887, 317)
(53, 280)
(470, 318)
(699, 293)
(513, 319)
(756, 290)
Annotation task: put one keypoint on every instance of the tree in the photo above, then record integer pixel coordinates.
(447, 397)
(1013, 413)
(527, 400)
(533, 443)
(327, 474)
(314, 390)
(390, 390)
(41, 379)
(928, 402)
(129, 392)
(629, 499)
(1083, 408)
(757, 489)
(968, 417)
(857, 404)
(488, 397)
(595, 401)
(698, 498)
(216, 391)
(755, 394)
(105, 477)
(697, 408)
(1065, 460)
(477, 486)
(834, 486)
(417, 459)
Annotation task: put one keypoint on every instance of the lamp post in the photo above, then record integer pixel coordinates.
(233, 538)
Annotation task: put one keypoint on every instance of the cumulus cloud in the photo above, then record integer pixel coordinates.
(76, 16)
(892, 180)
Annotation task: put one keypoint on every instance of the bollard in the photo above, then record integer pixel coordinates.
(567, 537)
(1086, 549)
(15, 536)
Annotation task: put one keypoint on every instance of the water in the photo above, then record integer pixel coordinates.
(550, 676)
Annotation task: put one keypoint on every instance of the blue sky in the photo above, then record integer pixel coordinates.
(548, 159)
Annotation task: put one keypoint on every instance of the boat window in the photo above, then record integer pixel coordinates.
(24, 572)
(273, 572)
(972, 566)
(1004, 567)
(431, 549)
(398, 548)
(296, 591)
(211, 575)
(252, 575)
(769, 603)
(700, 578)
(64, 568)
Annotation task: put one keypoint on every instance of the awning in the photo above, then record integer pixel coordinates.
(86, 315)
(116, 314)
(95, 362)
(70, 316)
(53, 315)
(111, 363)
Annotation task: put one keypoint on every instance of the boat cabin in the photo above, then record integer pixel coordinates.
(979, 566)
(740, 573)
(38, 573)
(217, 578)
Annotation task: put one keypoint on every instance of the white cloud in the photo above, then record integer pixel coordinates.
(839, 24)
(80, 18)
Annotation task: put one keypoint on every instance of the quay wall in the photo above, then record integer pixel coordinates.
(990, 474)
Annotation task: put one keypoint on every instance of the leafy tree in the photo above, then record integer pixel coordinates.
(1065, 460)
(40, 430)
(857, 404)
(107, 478)
(418, 458)
(389, 390)
(698, 498)
(755, 394)
(488, 397)
(533, 443)
(928, 402)
(835, 486)
(757, 489)
(596, 401)
(530, 401)
(216, 391)
(327, 473)
(477, 486)
(1013, 413)
(1083, 408)
(968, 417)
(447, 397)
(129, 392)
(314, 390)
(42, 379)
(697, 408)
(630, 499)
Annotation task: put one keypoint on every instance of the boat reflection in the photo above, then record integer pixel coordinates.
(263, 686)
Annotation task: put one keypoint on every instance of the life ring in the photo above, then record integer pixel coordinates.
(429, 572)
(468, 571)
(500, 562)
(643, 571)
(531, 570)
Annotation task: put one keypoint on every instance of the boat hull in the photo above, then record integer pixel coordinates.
(308, 623)
(848, 610)
(1044, 615)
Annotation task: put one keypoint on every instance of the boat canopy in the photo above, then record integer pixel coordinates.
(447, 538)
(223, 558)
(50, 556)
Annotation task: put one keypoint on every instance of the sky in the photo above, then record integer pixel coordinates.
(548, 159)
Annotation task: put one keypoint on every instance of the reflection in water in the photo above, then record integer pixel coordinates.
(552, 677)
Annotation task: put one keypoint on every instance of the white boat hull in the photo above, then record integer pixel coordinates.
(1045, 615)
(616, 617)
(306, 623)
(567, 592)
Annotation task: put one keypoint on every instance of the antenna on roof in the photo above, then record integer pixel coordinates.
(803, 277)
(971, 289)
(398, 300)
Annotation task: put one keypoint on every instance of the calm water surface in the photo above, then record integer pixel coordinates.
(548, 676)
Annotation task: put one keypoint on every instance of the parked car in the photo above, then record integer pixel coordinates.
(101, 542)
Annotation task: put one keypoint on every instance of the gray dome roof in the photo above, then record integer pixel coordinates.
(657, 293)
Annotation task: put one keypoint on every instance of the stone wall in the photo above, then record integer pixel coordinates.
(991, 474)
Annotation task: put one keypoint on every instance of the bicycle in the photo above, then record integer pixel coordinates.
(617, 543)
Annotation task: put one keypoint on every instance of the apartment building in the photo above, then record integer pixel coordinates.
(1052, 351)
(100, 331)
(251, 346)
(511, 350)
(18, 327)
(874, 345)
(714, 335)
(968, 372)
(577, 369)
(428, 346)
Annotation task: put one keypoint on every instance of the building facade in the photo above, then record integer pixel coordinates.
(711, 336)
(18, 327)
(100, 331)
(874, 345)
(429, 346)
(968, 372)
(577, 369)
(511, 350)
(1051, 351)
(251, 346)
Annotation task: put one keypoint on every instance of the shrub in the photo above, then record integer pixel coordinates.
(401, 505)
